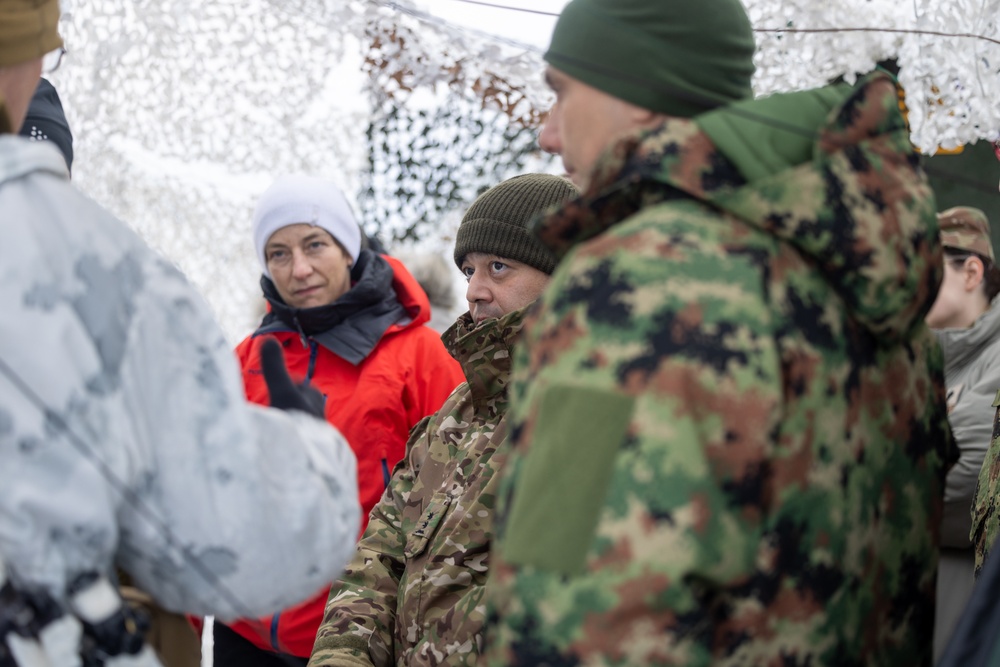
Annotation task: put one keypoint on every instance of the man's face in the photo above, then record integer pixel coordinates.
(498, 286)
(17, 86)
(585, 121)
(307, 266)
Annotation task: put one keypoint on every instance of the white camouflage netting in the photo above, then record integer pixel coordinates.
(184, 110)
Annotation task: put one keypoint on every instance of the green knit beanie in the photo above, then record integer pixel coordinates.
(677, 57)
(497, 222)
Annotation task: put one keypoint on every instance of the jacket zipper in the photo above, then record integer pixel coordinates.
(274, 632)
(313, 352)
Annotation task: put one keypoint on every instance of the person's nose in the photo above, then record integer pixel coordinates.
(548, 138)
(301, 267)
(478, 290)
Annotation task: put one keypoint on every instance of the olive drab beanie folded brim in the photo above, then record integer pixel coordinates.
(28, 29)
(497, 222)
(672, 57)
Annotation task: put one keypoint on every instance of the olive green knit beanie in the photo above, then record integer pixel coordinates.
(28, 29)
(676, 57)
(497, 222)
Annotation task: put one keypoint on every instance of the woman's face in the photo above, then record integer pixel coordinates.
(308, 267)
(956, 306)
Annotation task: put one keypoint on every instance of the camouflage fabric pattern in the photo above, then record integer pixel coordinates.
(729, 424)
(413, 593)
(966, 228)
(985, 518)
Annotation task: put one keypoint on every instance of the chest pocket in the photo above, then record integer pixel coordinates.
(427, 525)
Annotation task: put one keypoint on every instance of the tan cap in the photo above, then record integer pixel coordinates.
(966, 228)
(28, 29)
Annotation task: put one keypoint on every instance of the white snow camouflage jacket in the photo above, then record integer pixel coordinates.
(124, 433)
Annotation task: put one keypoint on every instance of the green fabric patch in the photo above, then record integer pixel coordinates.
(565, 477)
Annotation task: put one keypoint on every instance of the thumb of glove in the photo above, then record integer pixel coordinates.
(285, 394)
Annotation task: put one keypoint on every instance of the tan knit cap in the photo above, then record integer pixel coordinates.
(966, 228)
(28, 29)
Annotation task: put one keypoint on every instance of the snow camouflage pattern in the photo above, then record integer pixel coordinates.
(985, 518)
(728, 417)
(413, 593)
(124, 433)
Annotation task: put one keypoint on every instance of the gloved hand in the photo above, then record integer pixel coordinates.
(23, 616)
(285, 394)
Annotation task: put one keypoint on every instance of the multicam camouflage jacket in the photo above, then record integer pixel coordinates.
(413, 593)
(728, 424)
(985, 505)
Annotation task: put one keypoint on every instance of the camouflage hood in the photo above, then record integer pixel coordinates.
(484, 353)
(851, 194)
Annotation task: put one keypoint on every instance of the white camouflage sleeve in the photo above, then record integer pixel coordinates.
(125, 434)
(259, 507)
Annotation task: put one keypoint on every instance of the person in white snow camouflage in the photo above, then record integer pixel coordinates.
(125, 436)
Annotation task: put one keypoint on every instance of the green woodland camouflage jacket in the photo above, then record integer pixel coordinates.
(413, 593)
(728, 424)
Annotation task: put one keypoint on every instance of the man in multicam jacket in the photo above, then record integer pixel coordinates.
(412, 594)
(728, 418)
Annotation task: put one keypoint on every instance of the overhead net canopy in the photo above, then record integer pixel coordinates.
(184, 111)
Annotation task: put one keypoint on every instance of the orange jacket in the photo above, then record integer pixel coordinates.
(406, 376)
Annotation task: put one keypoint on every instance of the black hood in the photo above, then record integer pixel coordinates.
(351, 326)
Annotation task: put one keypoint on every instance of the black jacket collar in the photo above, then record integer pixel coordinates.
(351, 326)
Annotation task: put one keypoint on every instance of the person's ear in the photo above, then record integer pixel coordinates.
(645, 118)
(974, 273)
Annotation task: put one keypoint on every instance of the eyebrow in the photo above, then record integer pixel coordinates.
(549, 79)
(305, 239)
(312, 237)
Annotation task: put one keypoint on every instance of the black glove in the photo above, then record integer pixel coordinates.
(24, 614)
(285, 394)
(110, 630)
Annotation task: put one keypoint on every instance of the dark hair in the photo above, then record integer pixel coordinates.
(991, 273)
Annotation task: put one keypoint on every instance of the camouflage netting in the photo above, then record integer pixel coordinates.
(427, 165)
(184, 110)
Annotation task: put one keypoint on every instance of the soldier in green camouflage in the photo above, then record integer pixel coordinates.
(729, 423)
(412, 595)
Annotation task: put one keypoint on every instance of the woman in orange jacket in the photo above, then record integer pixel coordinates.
(352, 325)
